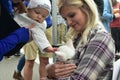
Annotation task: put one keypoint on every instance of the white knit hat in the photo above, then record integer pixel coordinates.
(40, 3)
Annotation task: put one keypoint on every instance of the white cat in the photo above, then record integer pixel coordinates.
(65, 52)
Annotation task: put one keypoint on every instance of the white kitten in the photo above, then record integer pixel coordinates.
(65, 52)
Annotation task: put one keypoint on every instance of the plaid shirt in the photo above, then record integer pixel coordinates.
(95, 59)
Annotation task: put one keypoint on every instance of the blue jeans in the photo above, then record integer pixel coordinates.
(21, 63)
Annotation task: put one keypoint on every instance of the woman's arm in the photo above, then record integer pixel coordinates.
(107, 13)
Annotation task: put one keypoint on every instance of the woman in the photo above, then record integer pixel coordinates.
(107, 16)
(94, 46)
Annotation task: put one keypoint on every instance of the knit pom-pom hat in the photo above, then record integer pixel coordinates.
(40, 3)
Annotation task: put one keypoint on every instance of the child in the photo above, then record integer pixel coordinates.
(38, 10)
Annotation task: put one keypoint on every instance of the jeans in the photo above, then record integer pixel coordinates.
(21, 63)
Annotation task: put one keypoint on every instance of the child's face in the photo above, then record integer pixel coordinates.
(38, 14)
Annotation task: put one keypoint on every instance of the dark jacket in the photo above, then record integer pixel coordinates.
(100, 5)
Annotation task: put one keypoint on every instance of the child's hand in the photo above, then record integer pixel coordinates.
(50, 49)
(30, 26)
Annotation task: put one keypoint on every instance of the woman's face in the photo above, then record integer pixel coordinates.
(74, 17)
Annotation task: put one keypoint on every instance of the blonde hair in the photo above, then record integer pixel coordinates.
(90, 9)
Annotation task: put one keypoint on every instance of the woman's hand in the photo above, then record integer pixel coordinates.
(30, 32)
(59, 69)
(30, 36)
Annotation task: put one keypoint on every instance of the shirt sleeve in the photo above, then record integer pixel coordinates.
(9, 42)
(107, 13)
(96, 56)
(40, 38)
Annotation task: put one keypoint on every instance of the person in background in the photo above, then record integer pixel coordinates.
(8, 5)
(115, 25)
(94, 46)
(17, 73)
(19, 6)
(100, 6)
(26, 2)
(107, 16)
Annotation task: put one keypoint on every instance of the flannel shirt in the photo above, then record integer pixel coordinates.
(94, 60)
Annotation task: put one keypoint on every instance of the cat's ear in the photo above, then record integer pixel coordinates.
(69, 43)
